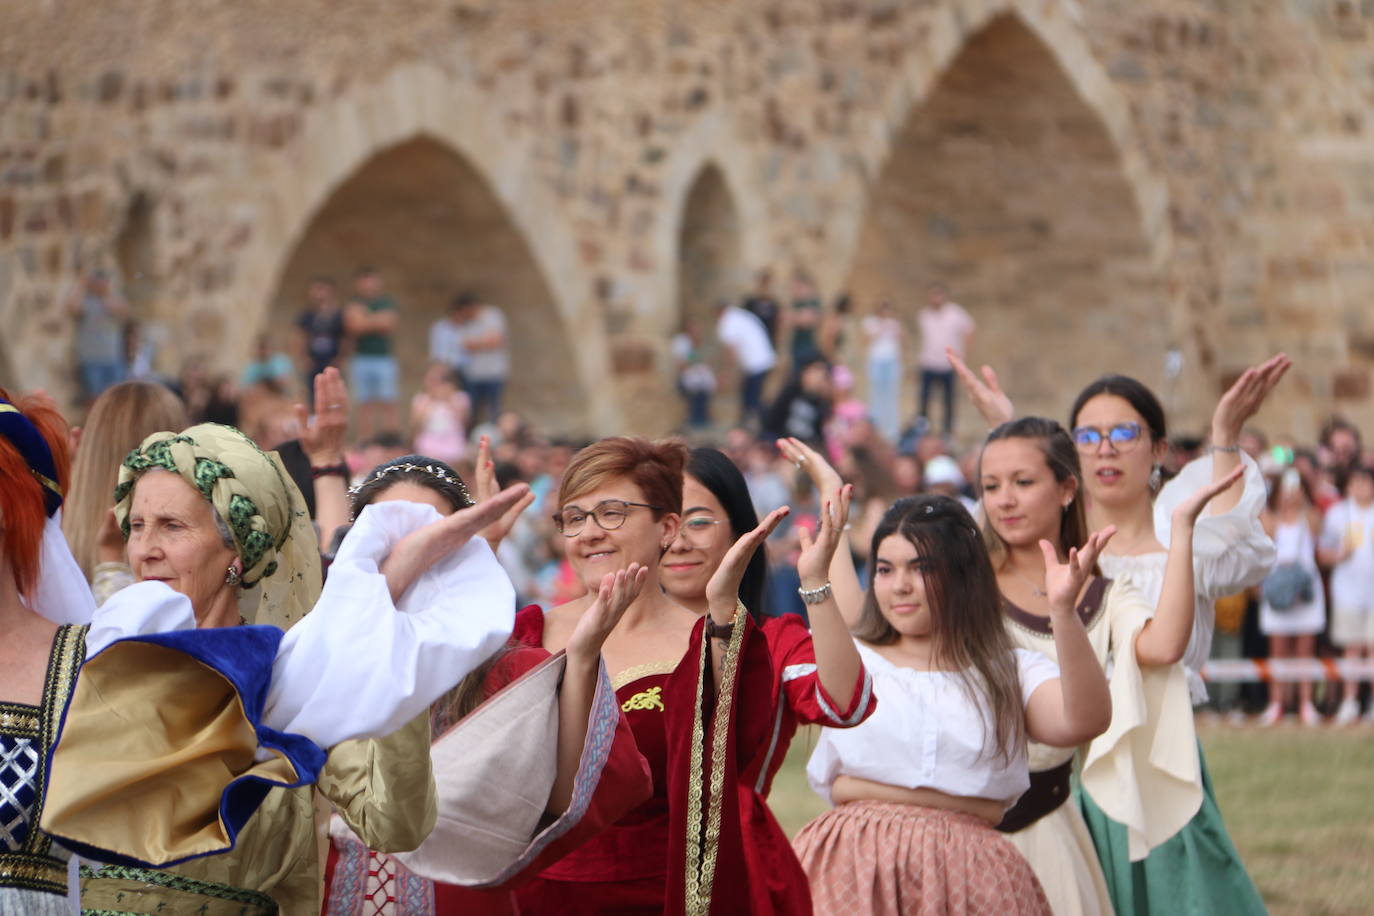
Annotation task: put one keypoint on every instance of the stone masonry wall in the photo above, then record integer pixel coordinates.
(1099, 180)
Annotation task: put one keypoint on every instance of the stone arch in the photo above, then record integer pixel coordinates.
(1004, 176)
(709, 263)
(421, 101)
(421, 213)
(8, 378)
(135, 255)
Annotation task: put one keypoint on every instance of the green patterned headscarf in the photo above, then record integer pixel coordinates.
(256, 498)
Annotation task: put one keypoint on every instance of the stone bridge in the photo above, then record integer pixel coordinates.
(1099, 181)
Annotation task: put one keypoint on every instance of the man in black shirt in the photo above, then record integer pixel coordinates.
(320, 331)
(762, 304)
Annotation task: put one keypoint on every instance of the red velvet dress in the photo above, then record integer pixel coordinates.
(643, 864)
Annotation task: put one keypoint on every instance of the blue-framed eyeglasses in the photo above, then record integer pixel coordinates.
(1122, 436)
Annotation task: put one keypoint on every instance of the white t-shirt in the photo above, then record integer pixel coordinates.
(947, 326)
(446, 344)
(747, 338)
(487, 365)
(884, 338)
(1352, 582)
(926, 732)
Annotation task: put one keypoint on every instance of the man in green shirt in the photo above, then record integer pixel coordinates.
(370, 321)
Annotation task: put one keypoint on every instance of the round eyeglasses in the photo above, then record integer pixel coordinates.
(1123, 437)
(609, 514)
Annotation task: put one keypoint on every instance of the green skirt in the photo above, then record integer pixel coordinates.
(1196, 872)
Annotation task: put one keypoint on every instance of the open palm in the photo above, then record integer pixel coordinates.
(1064, 581)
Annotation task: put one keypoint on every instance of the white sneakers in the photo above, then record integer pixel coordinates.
(1348, 712)
(1309, 715)
(1271, 715)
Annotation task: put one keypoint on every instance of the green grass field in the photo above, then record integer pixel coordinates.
(1299, 804)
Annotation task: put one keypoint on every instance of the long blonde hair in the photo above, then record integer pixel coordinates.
(121, 418)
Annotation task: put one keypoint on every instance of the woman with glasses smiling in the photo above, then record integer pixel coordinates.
(1119, 430)
(816, 676)
(694, 689)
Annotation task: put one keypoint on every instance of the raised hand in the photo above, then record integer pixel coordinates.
(1064, 581)
(813, 565)
(421, 549)
(722, 591)
(985, 393)
(323, 436)
(485, 486)
(1187, 512)
(617, 592)
(1244, 398)
(823, 477)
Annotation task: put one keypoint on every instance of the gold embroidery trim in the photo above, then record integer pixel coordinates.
(27, 722)
(17, 870)
(702, 850)
(632, 674)
(645, 699)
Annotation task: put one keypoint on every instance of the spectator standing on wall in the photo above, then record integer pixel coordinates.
(804, 318)
(944, 325)
(99, 315)
(695, 380)
(764, 305)
(446, 338)
(746, 340)
(488, 357)
(319, 332)
(371, 320)
(883, 332)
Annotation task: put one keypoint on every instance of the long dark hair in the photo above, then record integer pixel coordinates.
(713, 470)
(1061, 455)
(444, 480)
(968, 633)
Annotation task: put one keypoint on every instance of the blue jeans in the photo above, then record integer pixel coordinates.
(486, 398)
(751, 397)
(698, 408)
(375, 378)
(884, 390)
(929, 379)
(97, 376)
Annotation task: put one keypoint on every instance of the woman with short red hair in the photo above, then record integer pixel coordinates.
(685, 682)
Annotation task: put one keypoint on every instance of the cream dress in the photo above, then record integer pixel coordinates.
(1144, 769)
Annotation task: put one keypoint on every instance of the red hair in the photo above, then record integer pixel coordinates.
(22, 509)
(655, 467)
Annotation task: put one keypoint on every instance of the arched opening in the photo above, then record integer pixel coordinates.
(709, 267)
(422, 215)
(8, 379)
(135, 256)
(1004, 185)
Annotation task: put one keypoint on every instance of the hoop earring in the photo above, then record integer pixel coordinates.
(1156, 478)
(232, 576)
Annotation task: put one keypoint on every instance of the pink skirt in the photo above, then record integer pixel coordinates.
(887, 858)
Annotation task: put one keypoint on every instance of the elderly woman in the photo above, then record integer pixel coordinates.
(191, 740)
